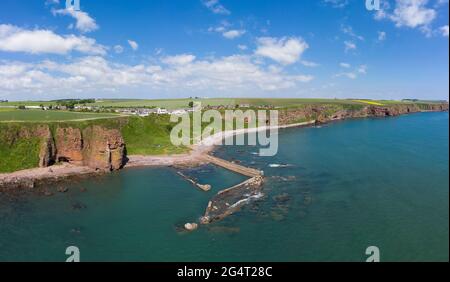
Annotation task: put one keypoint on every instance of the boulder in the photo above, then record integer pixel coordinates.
(191, 226)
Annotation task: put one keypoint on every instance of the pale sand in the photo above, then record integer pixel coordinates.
(194, 157)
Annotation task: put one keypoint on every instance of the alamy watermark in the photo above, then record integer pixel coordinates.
(73, 5)
(73, 253)
(373, 253)
(373, 5)
(230, 127)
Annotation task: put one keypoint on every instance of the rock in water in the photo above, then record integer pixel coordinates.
(191, 226)
(63, 189)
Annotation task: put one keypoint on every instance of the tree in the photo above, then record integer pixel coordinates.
(191, 104)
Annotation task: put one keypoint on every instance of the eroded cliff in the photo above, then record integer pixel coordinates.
(326, 113)
(95, 146)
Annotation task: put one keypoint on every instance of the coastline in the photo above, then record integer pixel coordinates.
(198, 151)
(30, 177)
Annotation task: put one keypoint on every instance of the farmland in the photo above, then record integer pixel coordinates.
(12, 115)
(172, 104)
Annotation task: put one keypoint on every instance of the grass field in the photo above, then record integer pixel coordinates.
(8, 115)
(168, 104)
(184, 103)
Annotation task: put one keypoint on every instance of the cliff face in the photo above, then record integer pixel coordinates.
(95, 147)
(103, 149)
(323, 113)
(69, 142)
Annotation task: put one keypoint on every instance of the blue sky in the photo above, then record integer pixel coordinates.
(223, 48)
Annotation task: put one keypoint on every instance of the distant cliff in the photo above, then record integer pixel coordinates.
(327, 113)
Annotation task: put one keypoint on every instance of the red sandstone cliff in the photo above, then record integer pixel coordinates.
(103, 149)
(95, 147)
(323, 113)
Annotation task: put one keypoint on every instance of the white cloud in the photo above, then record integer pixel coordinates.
(118, 49)
(40, 41)
(215, 7)
(51, 2)
(183, 59)
(84, 22)
(350, 75)
(381, 36)
(349, 45)
(353, 74)
(346, 29)
(285, 50)
(94, 74)
(309, 64)
(226, 32)
(412, 13)
(362, 69)
(444, 30)
(336, 3)
(133, 44)
(242, 47)
(232, 34)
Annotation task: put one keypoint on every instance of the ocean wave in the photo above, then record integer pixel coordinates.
(279, 165)
(248, 199)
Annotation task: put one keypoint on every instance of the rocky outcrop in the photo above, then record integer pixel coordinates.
(95, 147)
(104, 149)
(70, 145)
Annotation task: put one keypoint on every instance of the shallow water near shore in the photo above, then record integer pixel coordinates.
(347, 185)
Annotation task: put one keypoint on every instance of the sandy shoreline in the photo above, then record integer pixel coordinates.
(199, 150)
(195, 157)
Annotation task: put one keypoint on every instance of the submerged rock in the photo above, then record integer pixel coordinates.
(78, 206)
(191, 226)
(277, 216)
(282, 198)
(63, 189)
(224, 229)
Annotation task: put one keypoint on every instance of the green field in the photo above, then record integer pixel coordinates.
(168, 104)
(253, 102)
(8, 115)
(184, 103)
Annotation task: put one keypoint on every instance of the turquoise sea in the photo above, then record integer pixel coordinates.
(349, 185)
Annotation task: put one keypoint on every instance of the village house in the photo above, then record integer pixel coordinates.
(160, 111)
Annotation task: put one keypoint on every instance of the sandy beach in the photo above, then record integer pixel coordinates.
(198, 150)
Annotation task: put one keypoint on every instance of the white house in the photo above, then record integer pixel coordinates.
(162, 111)
(179, 112)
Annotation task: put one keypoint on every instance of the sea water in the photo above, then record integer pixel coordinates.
(330, 193)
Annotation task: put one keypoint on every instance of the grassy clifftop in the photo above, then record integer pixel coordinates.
(147, 136)
(17, 153)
